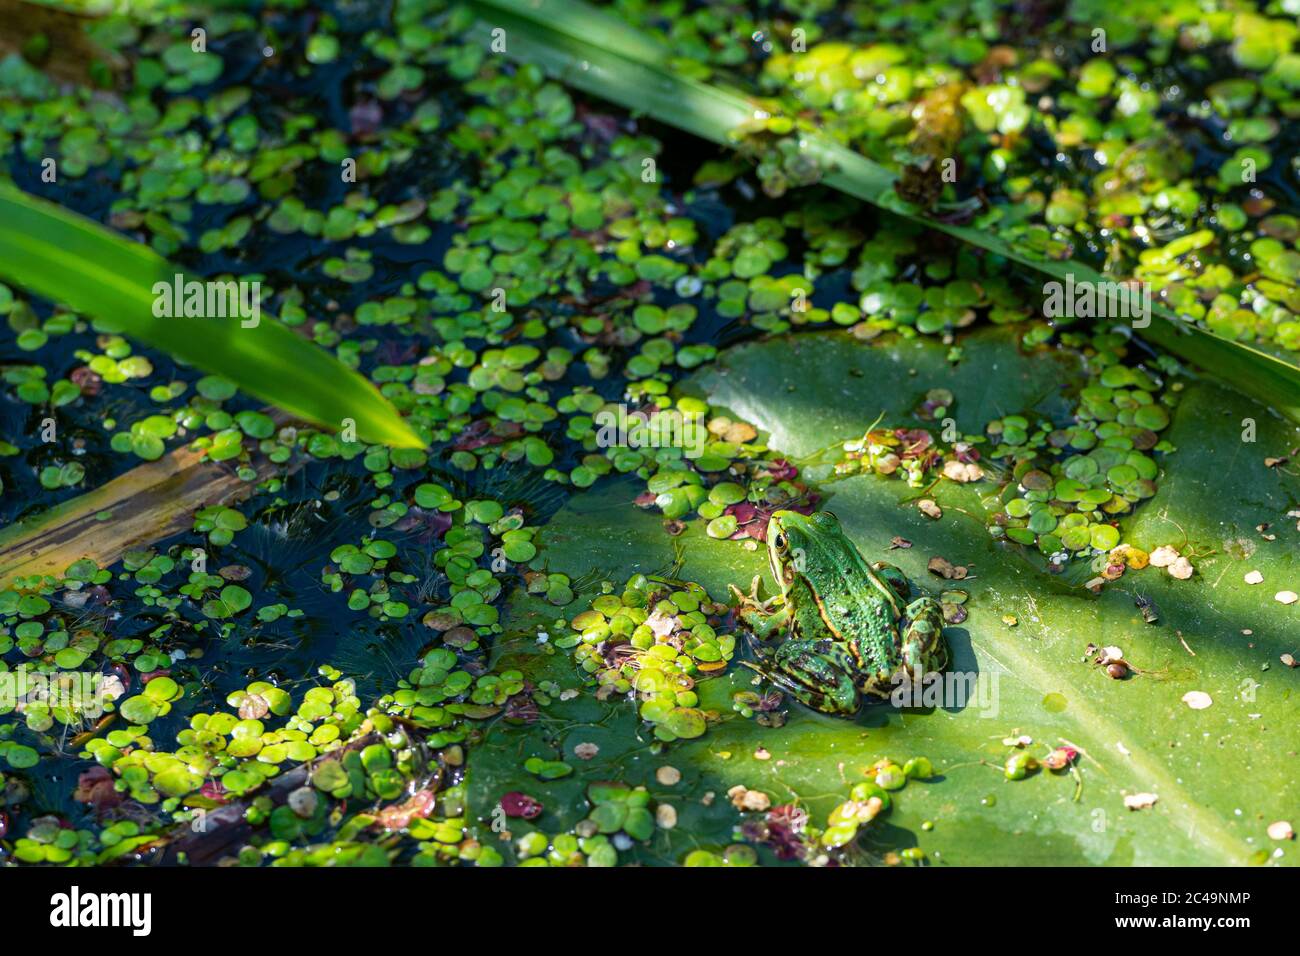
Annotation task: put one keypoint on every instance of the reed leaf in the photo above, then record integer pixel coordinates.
(67, 258)
(604, 56)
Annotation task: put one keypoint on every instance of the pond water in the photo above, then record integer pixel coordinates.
(488, 248)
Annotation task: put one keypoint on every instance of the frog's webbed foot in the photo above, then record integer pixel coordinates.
(743, 599)
(762, 618)
(752, 600)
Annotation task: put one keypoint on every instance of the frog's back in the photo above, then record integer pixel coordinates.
(862, 609)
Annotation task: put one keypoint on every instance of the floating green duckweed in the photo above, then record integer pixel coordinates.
(790, 833)
(655, 641)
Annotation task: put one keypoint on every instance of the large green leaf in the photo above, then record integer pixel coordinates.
(1221, 774)
(68, 258)
(606, 57)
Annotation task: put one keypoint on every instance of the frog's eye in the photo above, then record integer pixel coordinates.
(780, 541)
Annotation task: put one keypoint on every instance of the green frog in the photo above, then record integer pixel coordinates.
(849, 624)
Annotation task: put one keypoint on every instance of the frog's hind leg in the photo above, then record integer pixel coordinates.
(814, 674)
(924, 646)
(895, 578)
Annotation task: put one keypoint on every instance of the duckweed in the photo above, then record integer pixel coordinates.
(654, 641)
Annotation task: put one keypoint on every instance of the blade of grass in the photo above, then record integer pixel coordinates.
(599, 54)
(68, 258)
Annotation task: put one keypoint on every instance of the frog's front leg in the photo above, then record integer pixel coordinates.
(818, 674)
(762, 618)
(763, 623)
(924, 649)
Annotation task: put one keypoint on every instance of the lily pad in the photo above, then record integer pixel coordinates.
(1222, 772)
